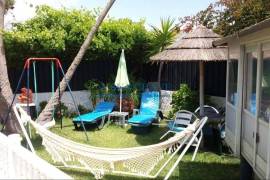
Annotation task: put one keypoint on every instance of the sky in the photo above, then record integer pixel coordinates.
(150, 10)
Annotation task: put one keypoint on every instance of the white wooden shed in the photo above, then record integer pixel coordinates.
(248, 96)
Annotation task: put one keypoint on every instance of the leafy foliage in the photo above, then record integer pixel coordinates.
(229, 16)
(93, 87)
(163, 36)
(184, 98)
(9, 4)
(61, 32)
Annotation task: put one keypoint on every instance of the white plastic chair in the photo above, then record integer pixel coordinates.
(182, 119)
(208, 110)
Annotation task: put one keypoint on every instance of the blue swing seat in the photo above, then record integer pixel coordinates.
(148, 110)
(101, 110)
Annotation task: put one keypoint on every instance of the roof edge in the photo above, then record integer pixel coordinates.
(248, 30)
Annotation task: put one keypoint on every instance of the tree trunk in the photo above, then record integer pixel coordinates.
(159, 74)
(6, 92)
(46, 114)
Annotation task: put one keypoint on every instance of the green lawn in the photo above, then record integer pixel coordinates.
(207, 165)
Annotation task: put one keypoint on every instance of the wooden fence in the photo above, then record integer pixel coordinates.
(172, 76)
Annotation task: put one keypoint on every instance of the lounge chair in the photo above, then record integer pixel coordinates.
(101, 111)
(148, 110)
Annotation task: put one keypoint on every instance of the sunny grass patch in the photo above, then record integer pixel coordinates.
(207, 165)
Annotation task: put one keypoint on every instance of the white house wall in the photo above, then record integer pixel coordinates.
(233, 113)
(259, 157)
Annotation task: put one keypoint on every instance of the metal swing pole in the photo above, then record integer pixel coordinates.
(28, 96)
(52, 85)
(75, 104)
(59, 99)
(35, 87)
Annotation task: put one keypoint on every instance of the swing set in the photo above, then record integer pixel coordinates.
(55, 66)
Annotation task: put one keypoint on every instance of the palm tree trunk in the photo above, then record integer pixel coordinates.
(46, 114)
(5, 88)
(159, 74)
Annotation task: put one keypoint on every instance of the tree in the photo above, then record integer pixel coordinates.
(226, 17)
(240, 14)
(6, 91)
(162, 38)
(46, 114)
(60, 33)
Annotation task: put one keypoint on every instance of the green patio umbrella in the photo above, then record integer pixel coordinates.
(121, 77)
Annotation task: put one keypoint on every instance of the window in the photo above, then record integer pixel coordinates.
(265, 88)
(251, 79)
(232, 86)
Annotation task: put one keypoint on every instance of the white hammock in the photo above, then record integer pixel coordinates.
(138, 161)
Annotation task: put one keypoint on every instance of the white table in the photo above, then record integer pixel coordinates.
(121, 115)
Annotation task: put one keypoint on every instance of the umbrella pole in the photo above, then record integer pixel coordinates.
(201, 66)
(120, 99)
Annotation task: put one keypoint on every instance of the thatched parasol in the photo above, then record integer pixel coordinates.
(194, 46)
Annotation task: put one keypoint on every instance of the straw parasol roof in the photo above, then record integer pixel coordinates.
(194, 46)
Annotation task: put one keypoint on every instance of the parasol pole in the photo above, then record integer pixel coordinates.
(201, 66)
(120, 99)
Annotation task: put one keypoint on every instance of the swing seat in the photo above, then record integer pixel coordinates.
(101, 111)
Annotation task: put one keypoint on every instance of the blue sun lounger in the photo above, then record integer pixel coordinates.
(100, 112)
(148, 110)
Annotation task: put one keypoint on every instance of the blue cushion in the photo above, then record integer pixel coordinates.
(148, 109)
(90, 117)
(149, 103)
(141, 119)
(104, 106)
(102, 109)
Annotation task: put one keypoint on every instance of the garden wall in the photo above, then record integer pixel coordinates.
(81, 98)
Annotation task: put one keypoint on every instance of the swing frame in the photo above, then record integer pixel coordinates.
(27, 67)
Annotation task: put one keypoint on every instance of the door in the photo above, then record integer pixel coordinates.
(256, 108)
(249, 110)
(262, 141)
(232, 98)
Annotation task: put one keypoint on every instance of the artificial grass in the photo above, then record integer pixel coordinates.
(207, 165)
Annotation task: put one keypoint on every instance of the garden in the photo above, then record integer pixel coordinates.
(119, 133)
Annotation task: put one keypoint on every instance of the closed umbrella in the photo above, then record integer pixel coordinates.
(121, 77)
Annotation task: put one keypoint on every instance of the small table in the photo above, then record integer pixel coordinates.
(121, 115)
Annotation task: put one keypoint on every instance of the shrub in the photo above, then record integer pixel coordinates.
(64, 111)
(184, 98)
(94, 88)
(83, 109)
(42, 105)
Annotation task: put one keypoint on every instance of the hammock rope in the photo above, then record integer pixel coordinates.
(138, 161)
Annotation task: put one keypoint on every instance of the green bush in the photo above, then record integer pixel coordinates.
(83, 109)
(93, 86)
(184, 98)
(64, 111)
